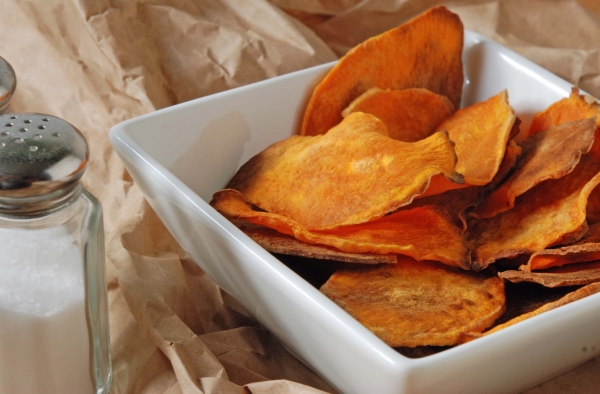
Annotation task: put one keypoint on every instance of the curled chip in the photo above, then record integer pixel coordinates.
(587, 249)
(481, 132)
(578, 294)
(540, 217)
(414, 303)
(511, 154)
(353, 174)
(456, 202)
(422, 53)
(549, 154)
(593, 207)
(424, 233)
(571, 275)
(409, 114)
(574, 107)
(276, 242)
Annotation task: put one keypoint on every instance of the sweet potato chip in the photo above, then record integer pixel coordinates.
(571, 275)
(418, 303)
(275, 242)
(586, 249)
(422, 53)
(574, 107)
(511, 154)
(540, 217)
(549, 154)
(409, 115)
(481, 132)
(593, 207)
(456, 202)
(353, 174)
(571, 237)
(424, 233)
(570, 297)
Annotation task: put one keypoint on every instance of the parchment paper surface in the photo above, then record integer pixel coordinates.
(95, 63)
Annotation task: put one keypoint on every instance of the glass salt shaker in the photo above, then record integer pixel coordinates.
(8, 84)
(54, 336)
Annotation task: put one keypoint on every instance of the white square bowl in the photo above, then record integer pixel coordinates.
(180, 156)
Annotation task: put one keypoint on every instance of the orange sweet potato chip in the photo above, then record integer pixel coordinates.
(275, 242)
(409, 114)
(511, 154)
(424, 233)
(586, 249)
(574, 107)
(418, 303)
(540, 217)
(570, 297)
(571, 275)
(481, 132)
(593, 207)
(422, 53)
(573, 236)
(353, 174)
(455, 202)
(549, 154)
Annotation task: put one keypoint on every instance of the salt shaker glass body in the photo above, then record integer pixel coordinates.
(54, 336)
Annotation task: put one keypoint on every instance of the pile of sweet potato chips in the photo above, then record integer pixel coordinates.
(431, 207)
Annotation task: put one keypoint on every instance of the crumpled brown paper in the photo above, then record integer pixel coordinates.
(96, 63)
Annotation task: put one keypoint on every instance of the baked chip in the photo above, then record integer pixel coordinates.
(593, 207)
(549, 154)
(481, 132)
(540, 217)
(422, 53)
(414, 303)
(586, 249)
(275, 242)
(574, 107)
(409, 115)
(578, 294)
(456, 202)
(424, 233)
(511, 154)
(353, 174)
(571, 275)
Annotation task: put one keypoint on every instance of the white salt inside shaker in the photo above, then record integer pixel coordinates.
(44, 335)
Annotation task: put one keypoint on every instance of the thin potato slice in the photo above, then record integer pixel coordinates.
(511, 155)
(574, 107)
(571, 275)
(418, 303)
(275, 242)
(353, 174)
(409, 115)
(570, 297)
(481, 132)
(593, 207)
(549, 154)
(508, 156)
(424, 233)
(540, 218)
(572, 237)
(587, 249)
(456, 202)
(422, 53)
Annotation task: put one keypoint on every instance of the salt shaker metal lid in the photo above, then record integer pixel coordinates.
(42, 158)
(8, 84)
